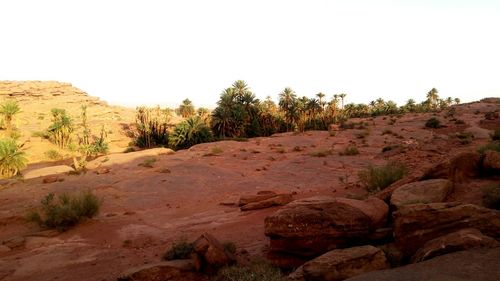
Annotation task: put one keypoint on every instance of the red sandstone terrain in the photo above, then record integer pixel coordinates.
(187, 193)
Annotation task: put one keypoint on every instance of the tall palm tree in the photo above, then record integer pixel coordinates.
(432, 97)
(320, 96)
(9, 109)
(287, 103)
(12, 159)
(342, 96)
(186, 109)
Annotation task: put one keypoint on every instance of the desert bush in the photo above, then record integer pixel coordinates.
(378, 178)
(190, 132)
(459, 122)
(391, 147)
(346, 125)
(256, 271)
(12, 159)
(361, 135)
(465, 138)
(229, 247)
(491, 196)
(387, 132)
(148, 162)
(65, 211)
(433, 123)
(180, 249)
(53, 154)
(129, 149)
(321, 153)
(349, 150)
(495, 136)
(214, 151)
(494, 145)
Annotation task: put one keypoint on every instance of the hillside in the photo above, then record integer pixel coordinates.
(37, 98)
(180, 194)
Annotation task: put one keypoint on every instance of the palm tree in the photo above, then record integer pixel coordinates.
(287, 104)
(61, 128)
(342, 96)
(432, 97)
(12, 159)
(9, 109)
(456, 100)
(320, 96)
(186, 109)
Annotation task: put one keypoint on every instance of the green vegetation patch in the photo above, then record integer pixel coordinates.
(378, 178)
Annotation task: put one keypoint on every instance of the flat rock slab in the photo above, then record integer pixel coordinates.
(427, 191)
(344, 263)
(48, 171)
(473, 265)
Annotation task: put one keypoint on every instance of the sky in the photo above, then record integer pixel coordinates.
(161, 52)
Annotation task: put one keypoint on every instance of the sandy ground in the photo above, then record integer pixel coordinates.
(145, 209)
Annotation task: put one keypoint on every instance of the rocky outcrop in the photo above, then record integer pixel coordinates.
(342, 263)
(458, 169)
(277, 200)
(473, 265)
(461, 240)
(310, 227)
(164, 271)
(427, 191)
(415, 225)
(491, 162)
(210, 254)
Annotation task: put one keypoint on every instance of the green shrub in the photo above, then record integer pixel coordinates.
(53, 154)
(190, 132)
(148, 163)
(496, 135)
(214, 151)
(491, 196)
(229, 247)
(433, 123)
(321, 153)
(459, 122)
(256, 271)
(65, 211)
(465, 138)
(180, 250)
(494, 145)
(378, 178)
(12, 159)
(349, 150)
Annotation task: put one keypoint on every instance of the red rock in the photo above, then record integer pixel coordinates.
(162, 271)
(344, 263)
(313, 226)
(278, 200)
(103, 170)
(427, 191)
(459, 168)
(246, 199)
(50, 179)
(491, 160)
(461, 240)
(415, 225)
(211, 253)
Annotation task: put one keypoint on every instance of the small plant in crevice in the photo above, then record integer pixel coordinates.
(257, 270)
(350, 150)
(378, 178)
(148, 162)
(491, 196)
(214, 151)
(321, 153)
(180, 249)
(494, 146)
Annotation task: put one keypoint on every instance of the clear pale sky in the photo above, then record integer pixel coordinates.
(149, 52)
